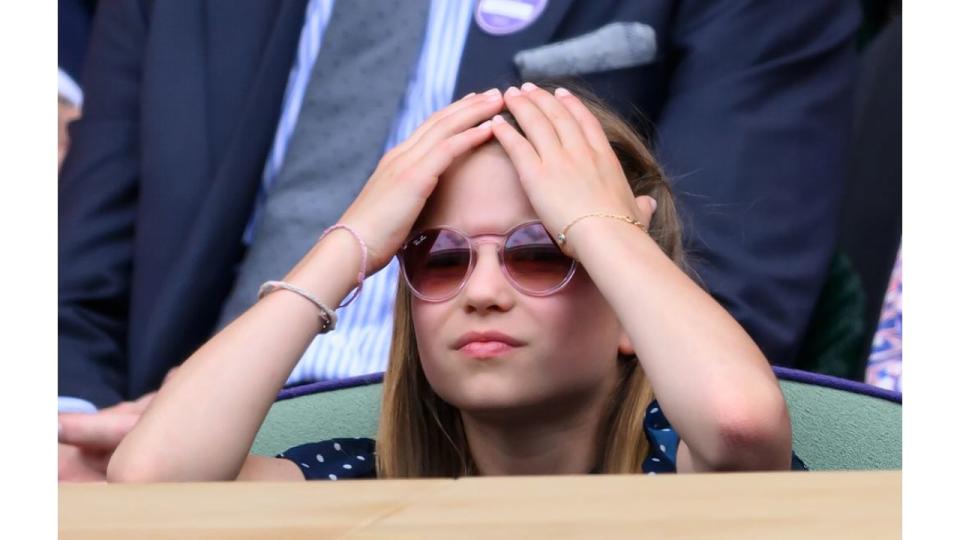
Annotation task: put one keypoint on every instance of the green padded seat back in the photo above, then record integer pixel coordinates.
(353, 411)
(838, 430)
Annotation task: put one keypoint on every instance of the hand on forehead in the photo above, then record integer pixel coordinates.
(480, 193)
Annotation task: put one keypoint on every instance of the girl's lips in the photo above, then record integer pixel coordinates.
(470, 337)
(486, 349)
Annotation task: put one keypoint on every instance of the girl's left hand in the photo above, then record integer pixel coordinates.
(565, 163)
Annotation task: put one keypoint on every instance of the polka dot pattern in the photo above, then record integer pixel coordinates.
(354, 458)
(335, 459)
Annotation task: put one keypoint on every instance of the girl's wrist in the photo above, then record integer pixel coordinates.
(602, 240)
(329, 270)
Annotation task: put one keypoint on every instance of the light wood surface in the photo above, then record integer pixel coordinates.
(745, 505)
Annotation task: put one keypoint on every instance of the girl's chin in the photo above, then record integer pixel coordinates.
(502, 404)
(508, 395)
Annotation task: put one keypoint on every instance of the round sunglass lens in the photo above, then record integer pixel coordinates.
(534, 261)
(436, 262)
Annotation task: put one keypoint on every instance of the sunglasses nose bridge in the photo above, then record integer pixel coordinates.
(496, 240)
(476, 259)
(476, 251)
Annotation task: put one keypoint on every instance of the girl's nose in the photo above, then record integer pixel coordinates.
(487, 288)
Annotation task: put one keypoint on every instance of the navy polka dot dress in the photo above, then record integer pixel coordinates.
(341, 459)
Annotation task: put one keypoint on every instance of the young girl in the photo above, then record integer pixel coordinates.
(543, 306)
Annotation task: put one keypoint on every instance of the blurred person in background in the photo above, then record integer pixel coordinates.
(856, 329)
(74, 18)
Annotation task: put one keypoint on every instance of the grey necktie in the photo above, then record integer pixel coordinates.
(368, 54)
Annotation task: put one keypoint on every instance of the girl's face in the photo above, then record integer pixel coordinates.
(570, 339)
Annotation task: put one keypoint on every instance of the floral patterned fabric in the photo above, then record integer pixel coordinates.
(884, 364)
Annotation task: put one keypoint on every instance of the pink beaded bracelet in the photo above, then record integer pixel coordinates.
(363, 260)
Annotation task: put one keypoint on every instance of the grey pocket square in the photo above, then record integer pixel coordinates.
(614, 46)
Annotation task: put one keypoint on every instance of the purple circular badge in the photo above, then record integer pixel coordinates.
(499, 17)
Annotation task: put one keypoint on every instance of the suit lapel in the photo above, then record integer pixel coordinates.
(488, 60)
(247, 102)
(238, 34)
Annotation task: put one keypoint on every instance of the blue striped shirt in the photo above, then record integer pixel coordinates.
(361, 341)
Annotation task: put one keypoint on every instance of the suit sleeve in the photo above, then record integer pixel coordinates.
(753, 134)
(97, 211)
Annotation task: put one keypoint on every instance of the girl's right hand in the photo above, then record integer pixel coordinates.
(392, 199)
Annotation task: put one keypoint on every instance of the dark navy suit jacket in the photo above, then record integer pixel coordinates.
(751, 102)
(74, 18)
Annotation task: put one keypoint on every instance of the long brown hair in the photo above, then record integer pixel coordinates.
(420, 435)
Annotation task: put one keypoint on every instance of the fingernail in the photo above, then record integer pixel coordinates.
(470, 95)
(512, 91)
(653, 203)
(492, 92)
(498, 119)
(528, 86)
(484, 125)
(561, 92)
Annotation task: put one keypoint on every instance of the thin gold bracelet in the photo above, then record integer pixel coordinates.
(562, 237)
